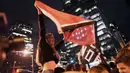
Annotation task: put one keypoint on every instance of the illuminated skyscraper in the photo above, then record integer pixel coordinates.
(20, 29)
(18, 60)
(88, 9)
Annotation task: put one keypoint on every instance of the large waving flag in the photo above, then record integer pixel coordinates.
(65, 22)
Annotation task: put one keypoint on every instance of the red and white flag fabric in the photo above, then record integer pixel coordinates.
(65, 22)
(82, 36)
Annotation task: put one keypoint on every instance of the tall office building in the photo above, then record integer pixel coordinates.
(20, 29)
(18, 60)
(105, 40)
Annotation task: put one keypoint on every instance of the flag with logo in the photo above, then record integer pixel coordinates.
(70, 25)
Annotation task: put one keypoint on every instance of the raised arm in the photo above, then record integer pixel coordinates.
(42, 26)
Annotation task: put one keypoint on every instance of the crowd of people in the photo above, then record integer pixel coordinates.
(47, 57)
(120, 65)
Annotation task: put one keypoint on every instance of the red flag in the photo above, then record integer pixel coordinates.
(66, 22)
(82, 35)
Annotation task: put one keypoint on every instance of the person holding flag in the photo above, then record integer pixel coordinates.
(47, 57)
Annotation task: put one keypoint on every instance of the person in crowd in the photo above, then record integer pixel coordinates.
(46, 54)
(98, 69)
(74, 72)
(115, 70)
(106, 66)
(113, 67)
(69, 67)
(39, 70)
(77, 67)
(83, 67)
(80, 67)
(123, 60)
(59, 70)
(127, 45)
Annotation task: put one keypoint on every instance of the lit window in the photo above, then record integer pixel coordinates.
(29, 46)
(108, 46)
(103, 43)
(18, 34)
(67, 2)
(78, 9)
(99, 23)
(100, 33)
(101, 27)
(97, 19)
(27, 41)
(95, 7)
(27, 30)
(95, 15)
(85, 11)
(104, 37)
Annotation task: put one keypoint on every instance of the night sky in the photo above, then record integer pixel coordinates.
(114, 10)
(117, 11)
(24, 9)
